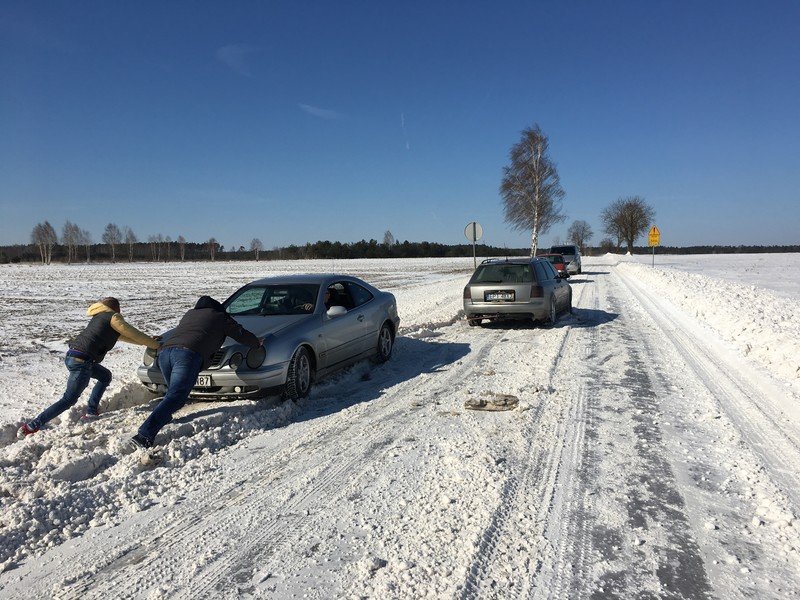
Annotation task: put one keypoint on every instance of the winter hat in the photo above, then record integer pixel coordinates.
(111, 303)
(208, 302)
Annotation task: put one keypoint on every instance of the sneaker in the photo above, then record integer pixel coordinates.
(139, 441)
(90, 416)
(29, 428)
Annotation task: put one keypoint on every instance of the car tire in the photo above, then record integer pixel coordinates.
(474, 322)
(385, 344)
(299, 375)
(552, 315)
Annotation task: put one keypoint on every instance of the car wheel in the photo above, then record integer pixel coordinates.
(474, 322)
(552, 315)
(299, 375)
(385, 344)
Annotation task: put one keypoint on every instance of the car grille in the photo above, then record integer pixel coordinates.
(216, 358)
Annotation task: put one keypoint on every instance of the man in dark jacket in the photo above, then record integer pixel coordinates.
(86, 352)
(188, 351)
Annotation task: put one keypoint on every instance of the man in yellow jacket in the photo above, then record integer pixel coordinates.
(86, 352)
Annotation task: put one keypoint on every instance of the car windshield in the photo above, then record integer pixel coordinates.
(503, 273)
(279, 299)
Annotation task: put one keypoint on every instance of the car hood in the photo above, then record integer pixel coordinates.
(258, 325)
(264, 326)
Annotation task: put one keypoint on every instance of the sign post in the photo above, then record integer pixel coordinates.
(654, 239)
(474, 232)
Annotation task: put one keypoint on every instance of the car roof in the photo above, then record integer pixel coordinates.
(313, 278)
(522, 260)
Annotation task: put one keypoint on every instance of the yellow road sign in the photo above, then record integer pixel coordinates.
(654, 238)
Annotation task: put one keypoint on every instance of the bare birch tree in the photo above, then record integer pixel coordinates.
(44, 237)
(627, 219)
(168, 244)
(579, 233)
(130, 239)
(182, 247)
(112, 236)
(531, 188)
(256, 246)
(85, 240)
(212, 248)
(70, 237)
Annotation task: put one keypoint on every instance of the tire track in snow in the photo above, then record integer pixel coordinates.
(273, 506)
(532, 484)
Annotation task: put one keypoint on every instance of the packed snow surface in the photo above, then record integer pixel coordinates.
(652, 449)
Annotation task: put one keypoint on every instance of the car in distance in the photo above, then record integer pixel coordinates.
(571, 254)
(305, 337)
(558, 262)
(516, 288)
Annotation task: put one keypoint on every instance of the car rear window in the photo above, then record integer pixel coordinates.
(569, 250)
(503, 273)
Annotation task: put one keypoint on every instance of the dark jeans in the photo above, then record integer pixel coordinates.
(180, 367)
(80, 372)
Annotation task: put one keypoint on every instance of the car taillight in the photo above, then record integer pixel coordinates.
(537, 291)
(467, 295)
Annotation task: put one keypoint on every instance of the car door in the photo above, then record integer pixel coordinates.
(559, 285)
(367, 313)
(342, 336)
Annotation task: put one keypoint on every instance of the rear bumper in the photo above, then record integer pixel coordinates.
(535, 309)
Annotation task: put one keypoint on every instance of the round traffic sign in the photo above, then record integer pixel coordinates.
(473, 231)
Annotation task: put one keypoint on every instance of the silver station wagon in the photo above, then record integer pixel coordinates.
(518, 288)
(312, 324)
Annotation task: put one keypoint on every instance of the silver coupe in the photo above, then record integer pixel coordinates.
(312, 324)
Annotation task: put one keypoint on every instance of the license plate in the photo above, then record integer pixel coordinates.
(203, 381)
(506, 296)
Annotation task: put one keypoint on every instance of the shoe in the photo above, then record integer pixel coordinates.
(29, 428)
(89, 417)
(139, 441)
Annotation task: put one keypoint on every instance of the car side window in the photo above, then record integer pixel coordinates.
(340, 296)
(540, 272)
(551, 272)
(359, 294)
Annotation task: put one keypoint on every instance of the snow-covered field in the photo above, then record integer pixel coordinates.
(655, 450)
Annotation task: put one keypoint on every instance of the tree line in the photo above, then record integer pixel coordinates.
(121, 243)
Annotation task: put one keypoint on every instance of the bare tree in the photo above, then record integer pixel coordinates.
(388, 239)
(85, 240)
(130, 239)
(153, 242)
(256, 246)
(182, 247)
(579, 233)
(627, 219)
(168, 244)
(70, 235)
(531, 188)
(112, 236)
(212, 248)
(44, 237)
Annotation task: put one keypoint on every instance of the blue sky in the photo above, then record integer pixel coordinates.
(305, 121)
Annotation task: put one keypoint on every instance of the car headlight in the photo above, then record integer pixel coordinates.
(149, 357)
(236, 360)
(256, 356)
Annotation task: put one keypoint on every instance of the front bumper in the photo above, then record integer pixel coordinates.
(226, 383)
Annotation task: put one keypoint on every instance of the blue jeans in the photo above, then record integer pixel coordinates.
(180, 367)
(80, 372)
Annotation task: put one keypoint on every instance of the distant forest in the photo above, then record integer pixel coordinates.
(171, 251)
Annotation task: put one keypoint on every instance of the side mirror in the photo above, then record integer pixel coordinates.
(336, 311)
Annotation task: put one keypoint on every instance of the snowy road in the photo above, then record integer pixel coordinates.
(649, 457)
